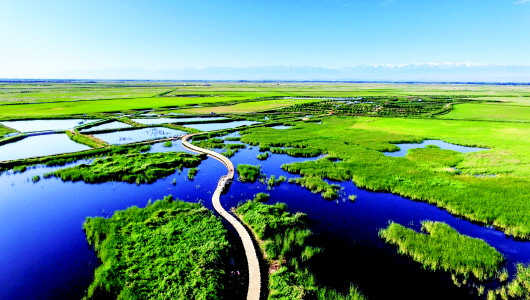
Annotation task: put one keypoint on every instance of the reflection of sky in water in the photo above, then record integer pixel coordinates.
(43, 125)
(174, 120)
(281, 127)
(132, 136)
(40, 146)
(217, 126)
(443, 145)
(111, 125)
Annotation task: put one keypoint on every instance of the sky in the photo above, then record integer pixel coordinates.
(45, 38)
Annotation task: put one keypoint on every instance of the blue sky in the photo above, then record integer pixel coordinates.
(43, 38)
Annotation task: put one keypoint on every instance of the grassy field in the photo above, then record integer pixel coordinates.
(101, 106)
(246, 107)
(53, 92)
(167, 250)
(443, 248)
(500, 201)
(489, 112)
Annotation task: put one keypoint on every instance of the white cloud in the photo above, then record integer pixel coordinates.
(522, 2)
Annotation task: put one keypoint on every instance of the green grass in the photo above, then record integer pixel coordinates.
(167, 250)
(286, 243)
(100, 106)
(443, 248)
(133, 168)
(316, 185)
(500, 201)
(248, 173)
(5, 130)
(86, 139)
(489, 112)
(246, 107)
(168, 144)
(192, 172)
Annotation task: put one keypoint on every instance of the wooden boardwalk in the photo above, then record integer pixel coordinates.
(254, 275)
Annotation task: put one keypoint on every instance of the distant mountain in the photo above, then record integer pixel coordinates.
(452, 72)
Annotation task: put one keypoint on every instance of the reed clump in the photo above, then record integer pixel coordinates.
(133, 167)
(443, 248)
(169, 249)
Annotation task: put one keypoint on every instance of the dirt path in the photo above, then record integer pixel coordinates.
(254, 276)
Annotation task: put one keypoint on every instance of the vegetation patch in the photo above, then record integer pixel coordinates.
(317, 185)
(167, 250)
(358, 142)
(86, 139)
(133, 168)
(286, 243)
(443, 248)
(248, 173)
(5, 130)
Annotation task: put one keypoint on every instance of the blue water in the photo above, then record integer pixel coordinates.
(45, 255)
(45, 125)
(175, 120)
(132, 136)
(404, 148)
(40, 145)
(111, 125)
(218, 126)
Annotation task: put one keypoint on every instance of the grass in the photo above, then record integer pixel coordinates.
(317, 185)
(358, 142)
(100, 106)
(5, 130)
(246, 107)
(286, 243)
(248, 173)
(133, 168)
(168, 144)
(86, 139)
(167, 250)
(489, 112)
(443, 248)
(192, 172)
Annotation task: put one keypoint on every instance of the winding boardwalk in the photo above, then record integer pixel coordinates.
(254, 276)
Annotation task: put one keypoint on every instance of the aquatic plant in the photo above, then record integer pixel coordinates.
(443, 248)
(35, 178)
(168, 144)
(133, 168)
(317, 185)
(169, 249)
(263, 156)
(248, 173)
(192, 172)
(288, 247)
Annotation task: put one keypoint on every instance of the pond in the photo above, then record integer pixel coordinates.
(404, 148)
(281, 127)
(46, 125)
(218, 126)
(138, 135)
(45, 254)
(111, 125)
(40, 145)
(175, 120)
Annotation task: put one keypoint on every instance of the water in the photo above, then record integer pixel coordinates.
(40, 146)
(45, 254)
(281, 127)
(111, 125)
(45, 125)
(404, 148)
(175, 120)
(218, 126)
(138, 135)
